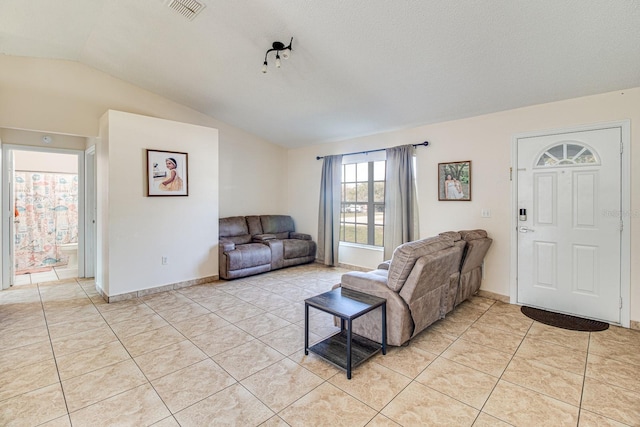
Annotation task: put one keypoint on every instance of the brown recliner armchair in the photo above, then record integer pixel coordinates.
(415, 285)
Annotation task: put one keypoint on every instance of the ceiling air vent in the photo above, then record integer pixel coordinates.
(187, 8)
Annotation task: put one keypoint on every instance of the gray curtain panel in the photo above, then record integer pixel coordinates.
(400, 202)
(329, 212)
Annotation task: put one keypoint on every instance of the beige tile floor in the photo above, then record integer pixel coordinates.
(56, 273)
(231, 353)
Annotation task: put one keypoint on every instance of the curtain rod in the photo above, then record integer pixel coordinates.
(423, 144)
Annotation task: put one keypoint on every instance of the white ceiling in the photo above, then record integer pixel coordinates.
(358, 66)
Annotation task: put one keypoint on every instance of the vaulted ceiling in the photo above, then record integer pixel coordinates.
(358, 66)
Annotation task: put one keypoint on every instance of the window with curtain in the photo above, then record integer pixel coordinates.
(362, 203)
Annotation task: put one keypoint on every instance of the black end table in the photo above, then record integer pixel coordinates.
(345, 349)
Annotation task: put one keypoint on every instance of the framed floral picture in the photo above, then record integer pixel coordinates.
(167, 173)
(454, 181)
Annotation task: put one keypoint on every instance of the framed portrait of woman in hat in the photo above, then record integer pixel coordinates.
(167, 173)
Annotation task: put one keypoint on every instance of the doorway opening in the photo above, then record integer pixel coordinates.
(43, 230)
(46, 216)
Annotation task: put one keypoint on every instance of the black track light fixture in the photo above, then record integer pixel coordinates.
(281, 51)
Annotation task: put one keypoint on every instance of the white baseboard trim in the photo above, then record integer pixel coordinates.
(158, 289)
(494, 296)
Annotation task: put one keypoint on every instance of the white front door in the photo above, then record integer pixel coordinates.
(569, 233)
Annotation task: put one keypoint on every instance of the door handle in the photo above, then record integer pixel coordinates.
(524, 229)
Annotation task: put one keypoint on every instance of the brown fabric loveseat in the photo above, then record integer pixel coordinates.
(421, 283)
(260, 243)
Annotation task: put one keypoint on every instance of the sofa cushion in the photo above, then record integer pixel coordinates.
(473, 234)
(277, 224)
(254, 224)
(239, 240)
(233, 226)
(249, 255)
(300, 236)
(294, 248)
(404, 258)
(454, 235)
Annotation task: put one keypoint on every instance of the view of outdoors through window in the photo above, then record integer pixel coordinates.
(362, 208)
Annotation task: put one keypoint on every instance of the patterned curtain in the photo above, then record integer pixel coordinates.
(47, 216)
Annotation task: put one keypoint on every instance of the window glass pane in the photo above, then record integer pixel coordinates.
(363, 192)
(350, 193)
(361, 215)
(573, 150)
(357, 207)
(361, 234)
(349, 215)
(586, 157)
(363, 172)
(379, 216)
(545, 160)
(378, 192)
(378, 171)
(349, 233)
(557, 151)
(349, 173)
(379, 236)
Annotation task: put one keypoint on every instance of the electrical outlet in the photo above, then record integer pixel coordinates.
(165, 260)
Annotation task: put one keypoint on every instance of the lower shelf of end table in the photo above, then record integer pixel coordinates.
(346, 349)
(334, 349)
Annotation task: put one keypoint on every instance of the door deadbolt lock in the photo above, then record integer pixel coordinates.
(522, 215)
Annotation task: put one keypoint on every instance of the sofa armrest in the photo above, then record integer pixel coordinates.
(384, 265)
(227, 245)
(277, 253)
(299, 236)
(372, 282)
(399, 322)
(263, 237)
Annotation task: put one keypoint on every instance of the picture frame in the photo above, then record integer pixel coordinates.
(454, 181)
(167, 173)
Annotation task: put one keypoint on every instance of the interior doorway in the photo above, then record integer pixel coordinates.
(44, 190)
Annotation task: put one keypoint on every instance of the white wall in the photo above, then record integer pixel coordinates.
(486, 141)
(144, 229)
(68, 98)
(34, 139)
(45, 162)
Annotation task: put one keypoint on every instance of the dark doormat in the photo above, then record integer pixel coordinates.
(563, 321)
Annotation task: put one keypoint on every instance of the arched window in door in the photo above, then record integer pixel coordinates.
(567, 154)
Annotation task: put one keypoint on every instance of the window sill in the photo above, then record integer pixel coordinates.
(361, 246)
